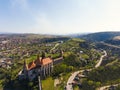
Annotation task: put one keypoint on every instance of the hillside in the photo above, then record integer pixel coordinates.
(107, 75)
(29, 36)
(100, 36)
(113, 41)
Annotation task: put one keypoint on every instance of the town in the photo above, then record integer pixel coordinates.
(66, 63)
(59, 44)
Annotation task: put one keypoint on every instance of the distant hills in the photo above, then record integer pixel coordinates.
(93, 37)
(100, 36)
(42, 38)
(29, 35)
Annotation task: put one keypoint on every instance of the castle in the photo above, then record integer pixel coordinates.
(42, 67)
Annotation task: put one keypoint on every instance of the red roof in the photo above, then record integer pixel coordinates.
(39, 61)
(31, 65)
(46, 61)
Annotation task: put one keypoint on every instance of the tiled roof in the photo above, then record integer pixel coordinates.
(46, 61)
(31, 65)
(38, 62)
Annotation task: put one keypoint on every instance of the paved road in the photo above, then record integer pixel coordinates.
(104, 87)
(101, 58)
(71, 78)
(110, 45)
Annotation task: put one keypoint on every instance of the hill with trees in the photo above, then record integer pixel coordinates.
(105, 75)
(100, 36)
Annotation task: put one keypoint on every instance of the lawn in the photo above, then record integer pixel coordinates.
(48, 84)
(76, 88)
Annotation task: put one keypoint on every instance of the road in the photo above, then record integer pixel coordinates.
(101, 58)
(104, 87)
(71, 78)
(54, 46)
(110, 45)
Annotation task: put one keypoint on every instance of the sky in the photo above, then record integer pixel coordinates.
(59, 16)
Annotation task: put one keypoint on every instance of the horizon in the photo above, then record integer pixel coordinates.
(59, 17)
(83, 33)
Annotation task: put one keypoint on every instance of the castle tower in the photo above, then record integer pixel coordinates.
(25, 69)
(43, 55)
(38, 60)
(38, 57)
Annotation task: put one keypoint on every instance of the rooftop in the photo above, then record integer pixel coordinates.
(39, 62)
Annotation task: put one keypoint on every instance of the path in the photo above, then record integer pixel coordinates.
(54, 46)
(101, 58)
(110, 45)
(56, 82)
(70, 80)
(104, 87)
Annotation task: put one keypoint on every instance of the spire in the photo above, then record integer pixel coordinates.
(31, 65)
(38, 57)
(25, 65)
(43, 55)
(38, 60)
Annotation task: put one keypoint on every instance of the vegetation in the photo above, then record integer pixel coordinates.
(48, 84)
(77, 54)
(105, 74)
(100, 36)
(118, 87)
(102, 76)
(63, 80)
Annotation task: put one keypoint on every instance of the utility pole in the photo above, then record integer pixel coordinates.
(39, 83)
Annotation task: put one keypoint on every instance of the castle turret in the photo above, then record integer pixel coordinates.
(38, 57)
(25, 69)
(43, 55)
(38, 60)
